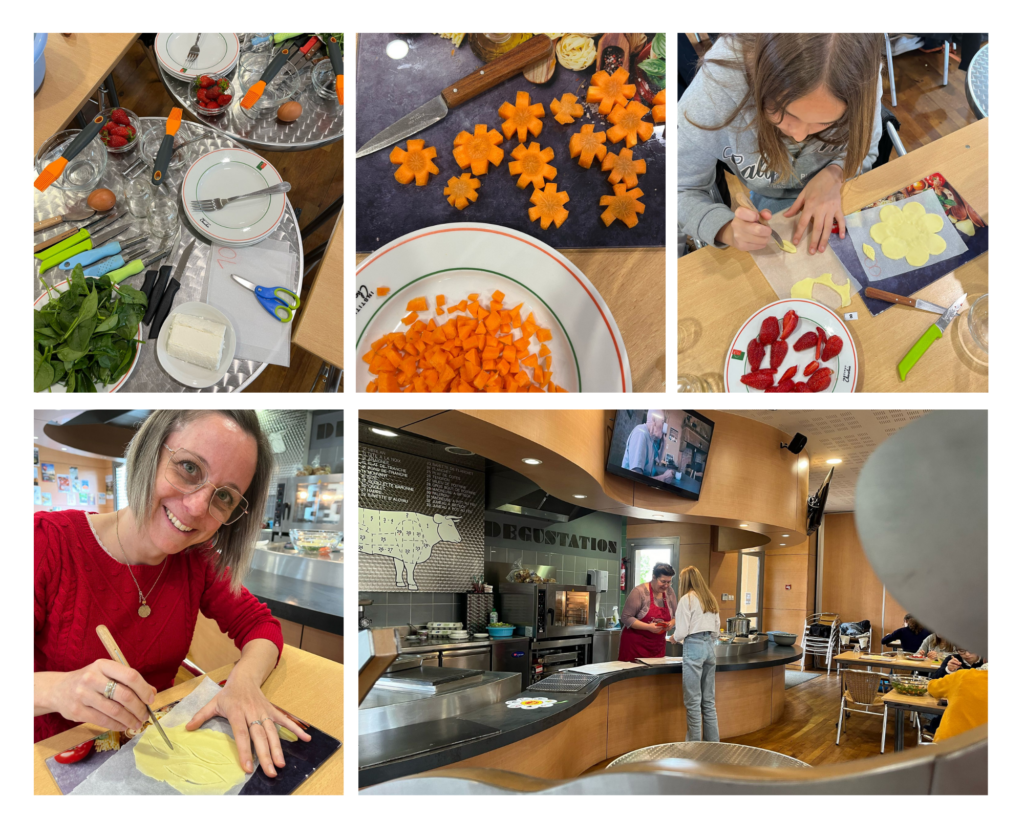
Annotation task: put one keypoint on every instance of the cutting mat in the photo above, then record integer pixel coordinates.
(389, 89)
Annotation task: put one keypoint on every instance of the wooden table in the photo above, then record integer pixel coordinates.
(321, 320)
(849, 658)
(76, 65)
(720, 289)
(304, 684)
(632, 283)
(904, 702)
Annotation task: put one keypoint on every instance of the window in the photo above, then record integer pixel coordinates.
(120, 487)
(749, 587)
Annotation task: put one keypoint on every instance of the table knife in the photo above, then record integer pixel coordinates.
(70, 233)
(256, 91)
(338, 64)
(88, 244)
(930, 335)
(79, 215)
(505, 67)
(136, 265)
(115, 654)
(168, 294)
(893, 298)
(51, 173)
(88, 257)
(163, 155)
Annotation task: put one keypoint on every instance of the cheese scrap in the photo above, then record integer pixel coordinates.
(803, 288)
(869, 251)
(196, 340)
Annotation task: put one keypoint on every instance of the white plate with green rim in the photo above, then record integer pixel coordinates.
(218, 53)
(229, 172)
(587, 351)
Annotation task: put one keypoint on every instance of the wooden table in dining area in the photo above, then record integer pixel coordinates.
(720, 288)
(304, 684)
(900, 703)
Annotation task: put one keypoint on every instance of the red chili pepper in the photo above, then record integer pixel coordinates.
(76, 754)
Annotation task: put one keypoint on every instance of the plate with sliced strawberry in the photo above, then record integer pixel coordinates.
(792, 345)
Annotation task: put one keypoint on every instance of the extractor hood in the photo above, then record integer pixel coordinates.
(513, 493)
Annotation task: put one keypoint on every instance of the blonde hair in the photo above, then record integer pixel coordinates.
(691, 580)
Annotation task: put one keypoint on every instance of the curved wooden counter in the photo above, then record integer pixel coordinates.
(615, 714)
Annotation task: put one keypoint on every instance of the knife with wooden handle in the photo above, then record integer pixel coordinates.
(893, 298)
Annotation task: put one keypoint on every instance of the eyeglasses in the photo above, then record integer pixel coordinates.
(185, 472)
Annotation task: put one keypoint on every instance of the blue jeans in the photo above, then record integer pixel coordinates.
(699, 687)
(768, 203)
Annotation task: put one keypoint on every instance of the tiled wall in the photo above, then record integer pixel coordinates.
(403, 608)
(572, 569)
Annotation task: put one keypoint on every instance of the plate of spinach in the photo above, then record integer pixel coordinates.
(87, 334)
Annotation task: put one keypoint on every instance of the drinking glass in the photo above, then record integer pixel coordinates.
(692, 383)
(82, 175)
(140, 196)
(163, 217)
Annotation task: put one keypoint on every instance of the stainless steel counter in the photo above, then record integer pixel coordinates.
(446, 643)
(304, 589)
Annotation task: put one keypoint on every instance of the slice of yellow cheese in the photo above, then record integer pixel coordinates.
(869, 251)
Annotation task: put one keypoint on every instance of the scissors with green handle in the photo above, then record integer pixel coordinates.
(280, 302)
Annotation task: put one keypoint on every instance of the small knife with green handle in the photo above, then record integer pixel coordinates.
(76, 237)
(135, 266)
(88, 244)
(930, 336)
(88, 257)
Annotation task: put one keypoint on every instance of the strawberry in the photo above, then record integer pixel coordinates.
(760, 380)
(779, 350)
(117, 142)
(130, 130)
(104, 137)
(205, 82)
(810, 368)
(786, 385)
(789, 374)
(755, 353)
(820, 380)
(201, 94)
(108, 125)
(120, 117)
(806, 341)
(832, 348)
(789, 323)
(119, 130)
(800, 386)
(223, 100)
(822, 338)
(222, 86)
(769, 330)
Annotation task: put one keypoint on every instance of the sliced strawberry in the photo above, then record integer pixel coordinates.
(789, 323)
(769, 330)
(800, 386)
(788, 374)
(820, 380)
(779, 350)
(786, 385)
(760, 380)
(822, 338)
(832, 348)
(755, 353)
(806, 341)
(810, 368)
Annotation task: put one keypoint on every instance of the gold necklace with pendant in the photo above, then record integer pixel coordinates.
(144, 609)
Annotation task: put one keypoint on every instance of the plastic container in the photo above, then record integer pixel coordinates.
(500, 631)
(312, 541)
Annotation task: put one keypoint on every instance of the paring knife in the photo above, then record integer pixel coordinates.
(167, 299)
(71, 216)
(505, 67)
(116, 262)
(136, 265)
(88, 257)
(72, 233)
(930, 335)
(163, 155)
(256, 91)
(893, 298)
(338, 64)
(51, 173)
(742, 201)
(88, 244)
(301, 54)
(115, 654)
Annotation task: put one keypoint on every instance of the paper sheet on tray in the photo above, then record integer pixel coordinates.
(259, 336)
(859, 224)
(605, 668)
(784, 270)
(660, 660)
(119, 776)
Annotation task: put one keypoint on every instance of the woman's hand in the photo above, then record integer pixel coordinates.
(931, 655)
(954, 664)
(80, 696)
(744, 232)
(671, 623)
(251, 716)
(821, 202)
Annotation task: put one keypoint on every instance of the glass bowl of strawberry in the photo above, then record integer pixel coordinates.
(211, 94)
(121, 131)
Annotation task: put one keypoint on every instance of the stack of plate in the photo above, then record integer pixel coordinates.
(228, 172)
(218, 54)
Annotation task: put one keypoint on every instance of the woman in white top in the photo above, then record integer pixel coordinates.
(697, 625)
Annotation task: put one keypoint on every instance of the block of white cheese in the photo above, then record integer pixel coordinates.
(196, 340)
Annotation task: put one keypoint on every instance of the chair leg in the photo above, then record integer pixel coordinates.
(945, 63)
(885, 719)
(892, 77)
(842, 709)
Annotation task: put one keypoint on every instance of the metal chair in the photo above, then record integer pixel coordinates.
(860, 688)
(826, 647)
(892, 76)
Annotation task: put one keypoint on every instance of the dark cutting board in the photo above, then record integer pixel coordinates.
(389, 89)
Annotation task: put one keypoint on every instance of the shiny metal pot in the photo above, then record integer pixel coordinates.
(738, 625)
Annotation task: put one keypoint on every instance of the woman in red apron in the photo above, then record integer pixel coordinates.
(648, 614)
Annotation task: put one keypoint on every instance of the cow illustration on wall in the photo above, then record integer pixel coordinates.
(406, 537)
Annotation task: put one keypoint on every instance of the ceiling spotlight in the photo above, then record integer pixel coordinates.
(579, 497)
(458, 450)
(64, 448)
(532, 461)
(834, 461)
(785, 535)
(387, 433)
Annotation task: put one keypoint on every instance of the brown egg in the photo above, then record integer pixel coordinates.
(101, 199)
(290, 111)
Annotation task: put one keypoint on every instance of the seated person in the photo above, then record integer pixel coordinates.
(910, 636)
(934, 644)
(960, 661)
(967, 694)
(956, 662)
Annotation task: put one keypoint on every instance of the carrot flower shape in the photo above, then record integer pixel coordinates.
(549, 206)
(461, 190)
(587, 145)
(532, 165)
(610, 89)
(622, 206)
(628, 124)
(414, 163)
(658, 111)
(476, 150)
(566, 110)
(521, 118)
(624, 168)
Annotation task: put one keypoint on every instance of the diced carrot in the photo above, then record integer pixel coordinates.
(439, 311)
(439, 300)
(417, 304)
(383, 291)
(542, 334)
(544, 350)
(372, 386)
(531, 361)
(498, 296)
(409, 319)
(474, 297)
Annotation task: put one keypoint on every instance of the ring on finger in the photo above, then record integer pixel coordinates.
(256, 722)
(108, 692)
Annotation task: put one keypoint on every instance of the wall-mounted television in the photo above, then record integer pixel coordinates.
(666, 449)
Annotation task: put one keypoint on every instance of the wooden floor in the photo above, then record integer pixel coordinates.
(316, 176)
(807, 730)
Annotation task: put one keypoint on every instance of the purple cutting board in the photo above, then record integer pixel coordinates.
(389, 89)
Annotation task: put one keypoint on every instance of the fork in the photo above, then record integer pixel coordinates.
(193, 53)
(217, 204)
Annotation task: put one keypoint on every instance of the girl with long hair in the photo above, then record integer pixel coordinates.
(697, 625)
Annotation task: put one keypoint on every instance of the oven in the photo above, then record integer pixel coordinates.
(546, 611)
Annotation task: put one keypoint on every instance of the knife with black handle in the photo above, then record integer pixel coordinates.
(167, 299)
(156, 292)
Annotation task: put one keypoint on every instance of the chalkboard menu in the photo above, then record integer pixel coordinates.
(421, 523)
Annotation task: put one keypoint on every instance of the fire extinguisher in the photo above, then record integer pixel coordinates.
(622, 575)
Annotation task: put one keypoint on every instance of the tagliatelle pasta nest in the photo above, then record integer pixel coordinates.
(636, 41)
(455, 38)
(576, 51)
(552, 36)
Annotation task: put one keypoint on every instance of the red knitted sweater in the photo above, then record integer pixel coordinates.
(78, 586)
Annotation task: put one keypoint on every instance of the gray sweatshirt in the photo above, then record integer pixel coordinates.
(712, 96)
